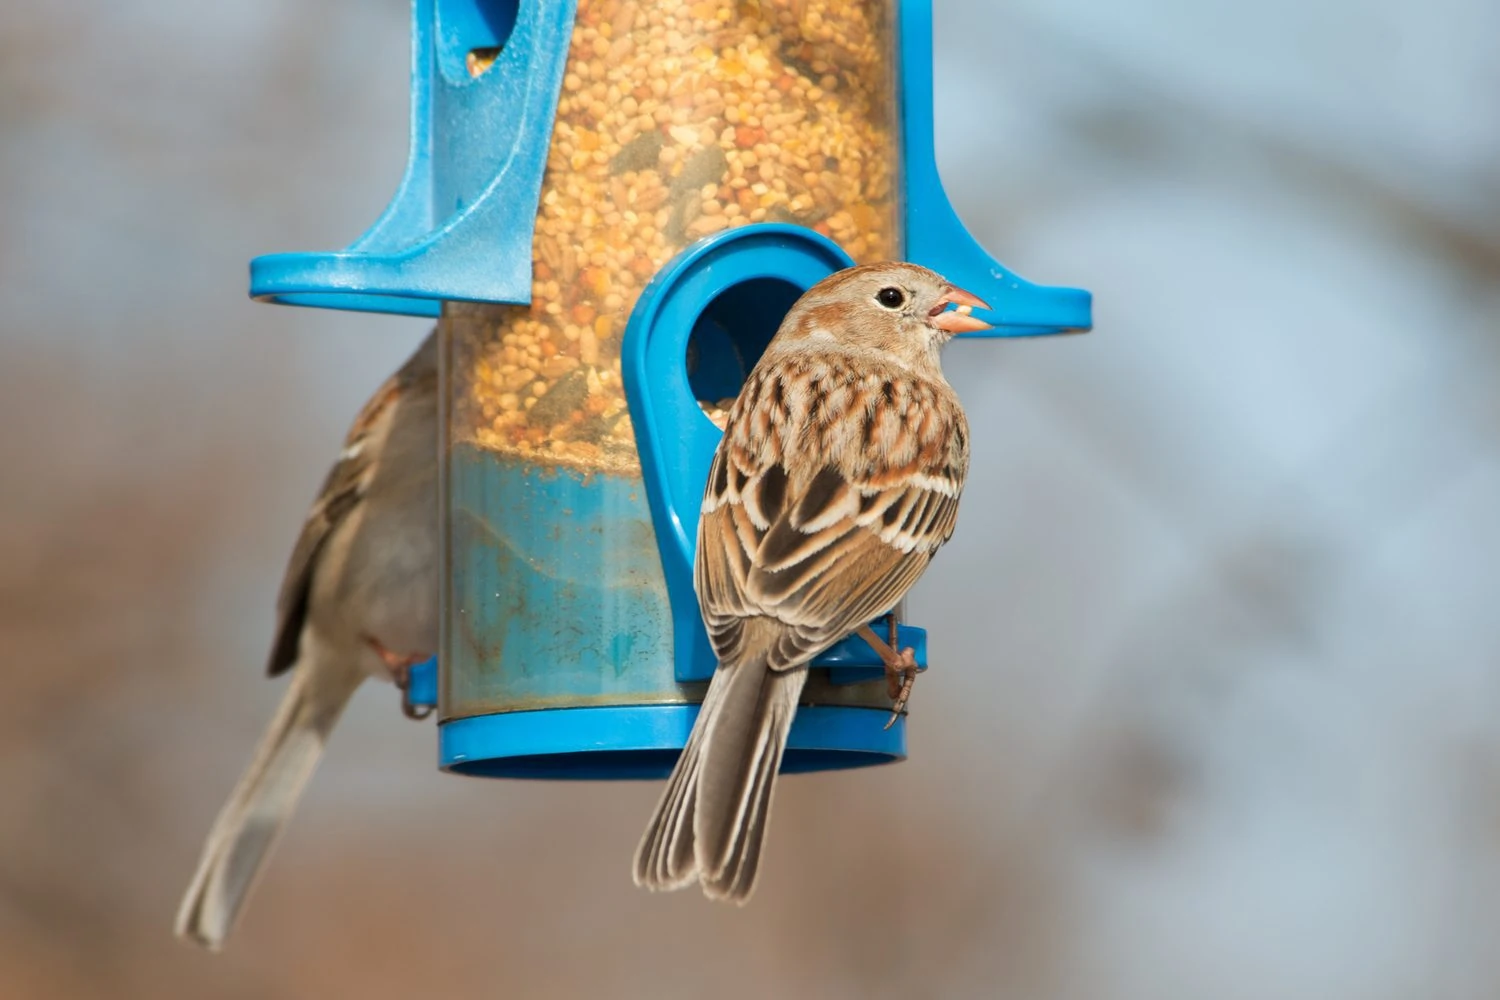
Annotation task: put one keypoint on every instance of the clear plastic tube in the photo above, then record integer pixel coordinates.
(675, 120)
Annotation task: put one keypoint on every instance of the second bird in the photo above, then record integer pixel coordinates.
(838, 477)
(359, 600)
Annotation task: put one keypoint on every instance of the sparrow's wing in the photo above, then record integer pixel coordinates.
(346, 484)
(827, 534)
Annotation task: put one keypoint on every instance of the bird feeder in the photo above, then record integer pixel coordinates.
(610, 205)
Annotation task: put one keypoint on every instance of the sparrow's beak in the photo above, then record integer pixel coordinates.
(958, 320)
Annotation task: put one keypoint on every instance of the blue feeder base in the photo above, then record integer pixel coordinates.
(643, 741)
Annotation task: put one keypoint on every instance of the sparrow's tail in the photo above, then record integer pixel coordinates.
(711, 821)
(252, 819)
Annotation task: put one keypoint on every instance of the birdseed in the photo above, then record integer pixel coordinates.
(675, 121)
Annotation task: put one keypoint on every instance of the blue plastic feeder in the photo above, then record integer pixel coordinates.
(611, 205)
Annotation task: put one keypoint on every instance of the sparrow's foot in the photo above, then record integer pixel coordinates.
(900, 668)
(400, 665)
(899, 682)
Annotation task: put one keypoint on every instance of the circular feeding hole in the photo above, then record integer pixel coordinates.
(729, 337)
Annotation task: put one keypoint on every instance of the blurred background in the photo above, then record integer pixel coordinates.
(1214, 711)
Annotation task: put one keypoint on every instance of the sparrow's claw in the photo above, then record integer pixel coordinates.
(403, 683)
(899, 682)
(400, 668)
(900, 668)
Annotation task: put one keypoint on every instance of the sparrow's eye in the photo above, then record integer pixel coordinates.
(891, 298)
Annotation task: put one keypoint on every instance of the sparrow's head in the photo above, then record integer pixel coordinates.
(891, 306)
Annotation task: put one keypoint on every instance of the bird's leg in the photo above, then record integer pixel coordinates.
(402, 674)
(907, 673)
(887, 655)
(400, 667)
(900, 670)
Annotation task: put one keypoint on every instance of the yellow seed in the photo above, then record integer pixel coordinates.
(797, 133)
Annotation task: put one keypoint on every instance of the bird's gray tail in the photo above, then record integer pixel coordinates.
(711, 821)
(253, 818)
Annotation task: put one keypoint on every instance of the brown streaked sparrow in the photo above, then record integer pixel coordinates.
(837, 479)
(360, 599)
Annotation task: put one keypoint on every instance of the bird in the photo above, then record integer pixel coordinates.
(359, 599)
(837, 478)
